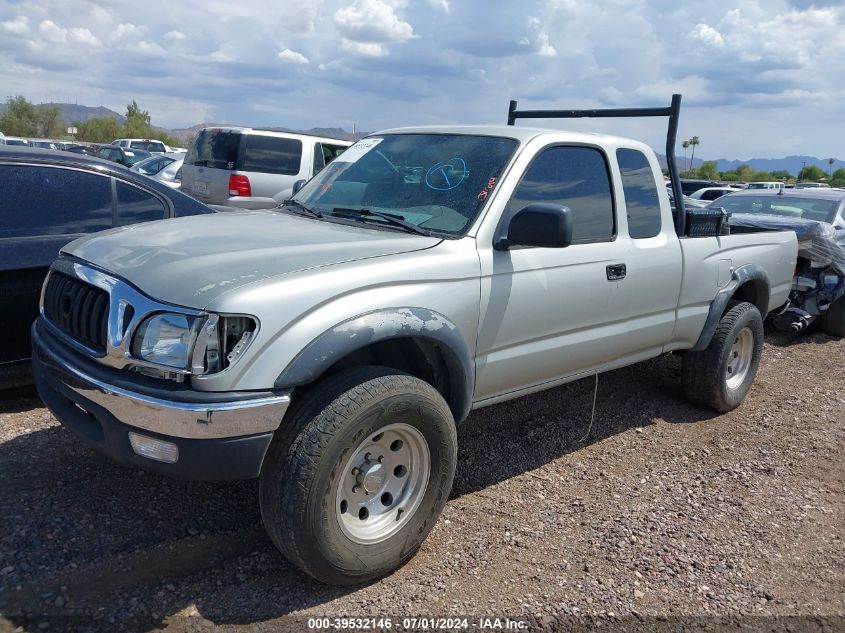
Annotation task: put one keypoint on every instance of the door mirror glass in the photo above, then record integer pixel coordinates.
(299, 184)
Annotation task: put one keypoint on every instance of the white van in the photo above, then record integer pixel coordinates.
(253, 168)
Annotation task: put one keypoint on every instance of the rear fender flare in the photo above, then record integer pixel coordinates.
(750, 272)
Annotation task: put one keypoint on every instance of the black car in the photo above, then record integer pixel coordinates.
(122, 155)
(49, 199)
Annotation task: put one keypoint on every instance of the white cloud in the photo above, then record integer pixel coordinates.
(52, 32)
(125, 30)
(292, 56)
(223, 54)
(366, 49)
(18, 26)
(372, 21)
(84, 36)
(544, 48)
(440, 5)
(708, 35)
(174, 35)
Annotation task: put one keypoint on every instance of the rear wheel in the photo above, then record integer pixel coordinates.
(833, 321)
(352, 488)
(720, 376)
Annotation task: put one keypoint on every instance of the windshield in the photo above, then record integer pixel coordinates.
(784, 206)
(435, 181)
(135, 156)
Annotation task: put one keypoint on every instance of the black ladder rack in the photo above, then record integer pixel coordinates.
(673, 112)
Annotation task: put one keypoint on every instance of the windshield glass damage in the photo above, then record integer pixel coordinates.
(436, 182)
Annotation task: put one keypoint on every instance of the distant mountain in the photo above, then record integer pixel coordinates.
(73, 113)
(792, 164)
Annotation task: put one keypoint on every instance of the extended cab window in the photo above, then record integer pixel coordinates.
(640, 189)
(578, 178)
(53, 201)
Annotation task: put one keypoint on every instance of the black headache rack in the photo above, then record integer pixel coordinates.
(673, 112)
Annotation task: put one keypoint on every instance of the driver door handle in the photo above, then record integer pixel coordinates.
(615, 272)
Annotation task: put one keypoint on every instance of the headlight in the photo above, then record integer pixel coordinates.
(166, 339)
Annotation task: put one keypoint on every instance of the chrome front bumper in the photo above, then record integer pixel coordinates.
(193, 414)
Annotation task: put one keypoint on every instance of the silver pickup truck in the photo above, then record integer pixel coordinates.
(330, 346)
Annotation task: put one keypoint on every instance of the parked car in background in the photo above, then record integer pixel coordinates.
(817, 217)
(162, 167)
(812, 185)
(75, 148)
(774, 184)
(148, 145)
(690, 185)
(121, 155)
(226, 165)
(43, 144)
(711, 193)
(49, 199)
(18, 142)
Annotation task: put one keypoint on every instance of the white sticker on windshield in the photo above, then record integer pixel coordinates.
(353, 153)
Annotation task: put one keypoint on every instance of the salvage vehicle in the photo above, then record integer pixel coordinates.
(817, 216)
(51, 198)
(330, 346)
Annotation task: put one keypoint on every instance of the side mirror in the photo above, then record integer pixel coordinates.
(541, 224)
(299, 184)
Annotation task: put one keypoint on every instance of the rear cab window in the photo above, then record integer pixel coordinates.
(640, 190)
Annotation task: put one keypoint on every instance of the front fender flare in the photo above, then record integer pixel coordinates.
(383, 325)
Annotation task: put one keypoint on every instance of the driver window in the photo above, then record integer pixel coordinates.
(575, 177)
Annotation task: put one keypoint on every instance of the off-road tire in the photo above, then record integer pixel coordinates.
(704, 373)
(301, 472)
(832, 322)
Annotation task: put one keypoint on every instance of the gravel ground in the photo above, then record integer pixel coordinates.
(666, 514)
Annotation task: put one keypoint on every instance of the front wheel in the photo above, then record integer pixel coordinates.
(720, 376)
(352, 488)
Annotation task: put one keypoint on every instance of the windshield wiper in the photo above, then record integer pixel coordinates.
(299, 205)
(391, 218)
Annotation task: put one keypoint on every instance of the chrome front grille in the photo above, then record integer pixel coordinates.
(79, 309)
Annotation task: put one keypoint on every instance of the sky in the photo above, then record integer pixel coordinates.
(759, 78)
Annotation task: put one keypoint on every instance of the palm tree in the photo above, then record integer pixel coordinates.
(686, 164)
(693, 142)
(830, 162)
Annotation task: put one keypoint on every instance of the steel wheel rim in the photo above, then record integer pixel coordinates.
(739, 360)
(376, 498)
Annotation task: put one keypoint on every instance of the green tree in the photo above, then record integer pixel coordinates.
(709, 169)
(837, 178)
(685, 145)
(137, 124)
(693, 142)
(20, 118)
(50, 123)
(811, 172)
(744, 173)
(780, 174)
(830, 162)
(99, 130)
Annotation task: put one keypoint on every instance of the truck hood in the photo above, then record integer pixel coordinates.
(192, 260)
